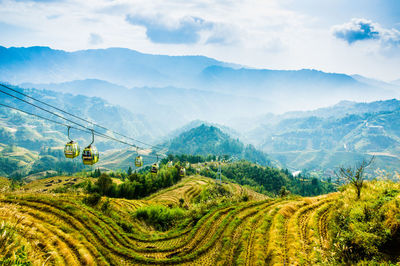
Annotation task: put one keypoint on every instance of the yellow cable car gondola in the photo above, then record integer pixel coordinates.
(138, 159)
(90, 154)
(182, 172)
(170, 164)
(154, 167)
(71, 149)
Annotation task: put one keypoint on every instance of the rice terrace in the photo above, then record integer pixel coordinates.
(238, 227)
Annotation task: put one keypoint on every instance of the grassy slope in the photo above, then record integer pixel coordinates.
(4, 183)
(259, 231)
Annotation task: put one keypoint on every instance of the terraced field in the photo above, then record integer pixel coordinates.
(59, 229)
(190, 187)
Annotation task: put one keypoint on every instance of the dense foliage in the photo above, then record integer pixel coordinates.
(270, 180)
(367, 229)
(137, 185)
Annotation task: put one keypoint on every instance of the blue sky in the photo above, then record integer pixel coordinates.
(353, 37)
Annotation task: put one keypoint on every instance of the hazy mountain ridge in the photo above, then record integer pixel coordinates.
(328, 137)
(265, 90)
(168, 107)
(117, 65)
(196, 123)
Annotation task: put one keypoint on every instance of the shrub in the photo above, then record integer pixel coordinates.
(214, 192)
(363, 229)
(92, 199)
(105, 206)
(160, 217)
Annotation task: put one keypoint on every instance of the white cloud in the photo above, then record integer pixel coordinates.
(262, 34)
(359, 29)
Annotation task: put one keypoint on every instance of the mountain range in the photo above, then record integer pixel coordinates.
(329, 137)
(156, 98)
(184, 88)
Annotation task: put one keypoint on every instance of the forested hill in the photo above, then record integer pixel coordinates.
(30, 145)
(17, 127)
(205, 140)
(328, 137)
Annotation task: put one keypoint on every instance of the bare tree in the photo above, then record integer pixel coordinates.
(355, 175)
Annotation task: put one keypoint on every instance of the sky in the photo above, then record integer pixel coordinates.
(352, 37)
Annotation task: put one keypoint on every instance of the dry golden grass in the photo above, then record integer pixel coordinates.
(59, 228)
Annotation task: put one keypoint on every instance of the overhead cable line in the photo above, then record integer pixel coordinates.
(75, 116)
(85, 129)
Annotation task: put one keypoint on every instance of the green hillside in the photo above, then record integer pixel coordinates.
(326, 138)
(205, 140)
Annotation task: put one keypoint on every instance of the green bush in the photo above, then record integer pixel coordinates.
(105, 207)
(363, 230)
(211, 193)
(92, 199)
(160, 217)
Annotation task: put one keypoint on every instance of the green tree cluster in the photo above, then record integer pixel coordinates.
(137, 185)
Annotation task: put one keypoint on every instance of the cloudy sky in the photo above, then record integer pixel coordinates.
(353, 37)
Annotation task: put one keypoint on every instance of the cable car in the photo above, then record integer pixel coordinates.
(154, 168)
(90, 154)
(138, 161)
(182, 172)
(187, 166)
(170, 164)
(71, 149)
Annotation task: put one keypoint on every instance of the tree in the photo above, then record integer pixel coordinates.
(181, 201)
(130, 171)
(283, 192)
(104, 184)
(355, 175)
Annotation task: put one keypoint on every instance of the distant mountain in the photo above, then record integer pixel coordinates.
(294, 89)
(205, 140)
(396, 82)
(196, 123)
(344, 108)
(167, 107)
(117, 65)
(376, 83)
(185, 79)
(315, 139)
